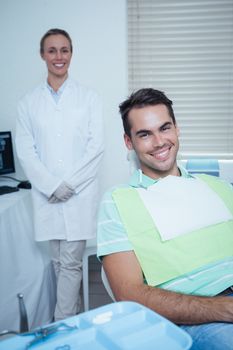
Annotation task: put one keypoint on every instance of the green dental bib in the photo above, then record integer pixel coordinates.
(163, 261)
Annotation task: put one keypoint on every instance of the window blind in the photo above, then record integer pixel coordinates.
(185, 48)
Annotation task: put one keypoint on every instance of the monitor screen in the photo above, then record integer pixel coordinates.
(7, 165)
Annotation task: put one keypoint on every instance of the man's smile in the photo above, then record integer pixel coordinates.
(161, 154)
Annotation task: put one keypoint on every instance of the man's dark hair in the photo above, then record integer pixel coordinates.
(54, 31)
(142, 98)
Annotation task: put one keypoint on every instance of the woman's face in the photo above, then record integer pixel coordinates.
(57, 55)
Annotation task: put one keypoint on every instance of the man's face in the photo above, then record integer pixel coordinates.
(57, 55)
(154, 137)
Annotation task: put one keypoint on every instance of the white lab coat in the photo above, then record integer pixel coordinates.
(61, 142)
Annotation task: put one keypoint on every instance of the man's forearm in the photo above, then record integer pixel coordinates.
(185, 309)
(126, 280)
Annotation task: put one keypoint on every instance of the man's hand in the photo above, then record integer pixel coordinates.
(62, 193)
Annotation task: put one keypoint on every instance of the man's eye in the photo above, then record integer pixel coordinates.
(166, 127)
(144, 135)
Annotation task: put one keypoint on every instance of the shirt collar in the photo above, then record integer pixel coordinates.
(145, 181)
(59, 91)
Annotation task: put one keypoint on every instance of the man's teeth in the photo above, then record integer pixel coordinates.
(59, 65)
(161, 154)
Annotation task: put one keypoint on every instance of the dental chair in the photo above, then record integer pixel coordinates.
(106, 284)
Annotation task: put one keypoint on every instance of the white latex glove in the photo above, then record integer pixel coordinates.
(62, 193)
(53, 199)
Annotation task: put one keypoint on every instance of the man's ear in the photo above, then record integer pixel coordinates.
(128, 142)
(177, 131)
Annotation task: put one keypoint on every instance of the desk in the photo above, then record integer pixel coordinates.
(25, 266)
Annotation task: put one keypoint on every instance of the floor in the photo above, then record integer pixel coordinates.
(97, 293)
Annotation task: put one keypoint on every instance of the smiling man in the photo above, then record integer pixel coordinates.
(166, 238)
(155, 140)
(59, 142)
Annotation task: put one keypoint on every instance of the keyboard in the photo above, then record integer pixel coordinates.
(8, 189)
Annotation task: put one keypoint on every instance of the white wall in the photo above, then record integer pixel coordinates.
(99, 34)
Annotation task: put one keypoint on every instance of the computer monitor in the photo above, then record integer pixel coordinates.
(7, 165)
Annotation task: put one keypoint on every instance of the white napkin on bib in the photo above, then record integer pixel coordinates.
(180, 205)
